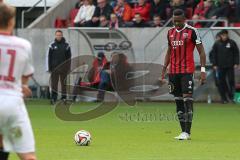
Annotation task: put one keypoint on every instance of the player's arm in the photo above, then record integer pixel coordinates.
(202, 55)
(197, 40)
(166, 59)
(49, 59)
(236, 54)
(27, 73)
(166, 62)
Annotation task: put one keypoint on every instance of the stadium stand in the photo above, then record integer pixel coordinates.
(194, 10)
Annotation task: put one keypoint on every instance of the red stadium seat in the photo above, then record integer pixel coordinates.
(72, 15)
(60, 23)
(237, 24)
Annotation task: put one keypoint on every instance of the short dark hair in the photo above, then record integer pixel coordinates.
(224, 31)
(100, 55)
(58, 31)
(6, 14)
(156, 15)
(178, 12)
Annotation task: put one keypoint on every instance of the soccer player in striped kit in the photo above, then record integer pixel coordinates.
(179, 60)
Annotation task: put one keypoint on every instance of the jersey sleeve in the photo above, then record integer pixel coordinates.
(28, 68)
(196, 37)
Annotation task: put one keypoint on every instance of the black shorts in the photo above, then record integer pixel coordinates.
(180, 84)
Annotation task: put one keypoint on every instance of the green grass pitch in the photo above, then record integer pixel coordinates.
(127, 133)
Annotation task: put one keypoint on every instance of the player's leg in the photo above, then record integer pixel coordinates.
(27, 156)
(54, 87)
(63, 80)
(231, 83)
(187, 91)
(3, 155)
(20, 135)
(180, 111)
(223, 84)
(175, 89)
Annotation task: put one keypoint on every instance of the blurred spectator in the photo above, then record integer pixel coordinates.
(201, 11)
(175, 4)
(222, 9)
(85, 14)
(138, 21)
(102, 68)
(238, 9)
(233, 17)
(142, 8)
(156, 21)
(225, 58)
(158, 8)
(192, 3)
(103, 9)
(219, 9)
(123, 11)
(103, 21)
(79, 4)
(114, 23)
(215, 72)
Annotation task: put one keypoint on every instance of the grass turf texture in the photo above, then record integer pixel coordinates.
(215, 133)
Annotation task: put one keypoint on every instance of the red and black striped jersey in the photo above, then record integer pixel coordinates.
(182, 43)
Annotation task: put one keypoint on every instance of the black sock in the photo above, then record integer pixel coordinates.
(188, 101)
(180, 112)
(3, 155)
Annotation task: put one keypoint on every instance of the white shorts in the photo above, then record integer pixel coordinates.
(15, 126)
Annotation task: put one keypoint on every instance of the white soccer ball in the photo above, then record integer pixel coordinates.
(82, 138)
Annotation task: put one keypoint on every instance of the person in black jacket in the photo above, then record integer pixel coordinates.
(59, 52)
(158, 8)
(225, 58)
(103, 9)
(215, 72)
(138, 22)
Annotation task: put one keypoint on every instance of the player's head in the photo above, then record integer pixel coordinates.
(58, 35)
(100, 56)
(178, 18)
(138, 17)
(157, 20)
(224, 35)
(7, 17)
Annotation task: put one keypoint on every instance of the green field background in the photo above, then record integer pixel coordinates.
(122, 135)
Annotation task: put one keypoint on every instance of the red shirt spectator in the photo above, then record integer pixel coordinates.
(123, 11)
(143, 8)
(202, 8)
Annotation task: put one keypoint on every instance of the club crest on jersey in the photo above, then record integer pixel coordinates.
(228, 45)
(185, 35)
(55, 47)
(190, 84)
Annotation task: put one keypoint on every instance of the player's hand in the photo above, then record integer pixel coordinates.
(203, 78)
(162, 78)
(26, 91)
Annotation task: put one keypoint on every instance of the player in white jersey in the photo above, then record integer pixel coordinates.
(15, 69)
